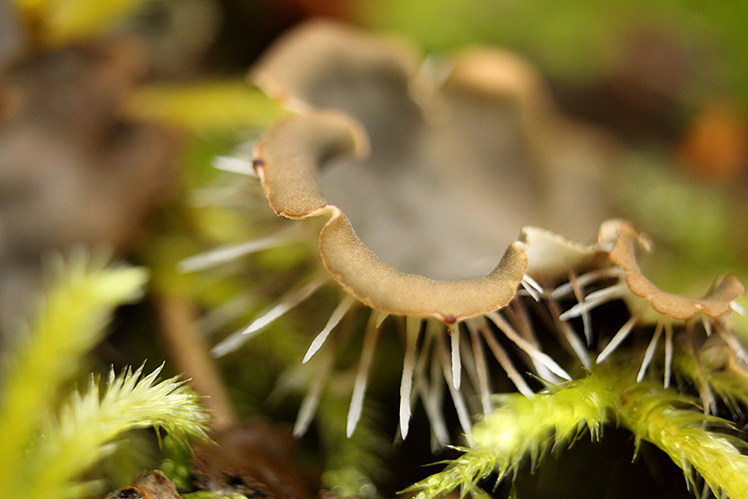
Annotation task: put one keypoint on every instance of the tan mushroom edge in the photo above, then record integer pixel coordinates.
(287, 158)
(626, 241)
(286, 68)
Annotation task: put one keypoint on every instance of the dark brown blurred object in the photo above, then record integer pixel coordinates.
(640, 100)
(255, 459)
(73, 172)
(153, 485)
(234, 49)
(340, 9)
(13, 40)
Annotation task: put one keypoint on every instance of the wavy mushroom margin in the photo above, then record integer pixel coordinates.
(627, 242)
(287, 159)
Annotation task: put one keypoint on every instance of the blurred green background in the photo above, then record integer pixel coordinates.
(667, 80)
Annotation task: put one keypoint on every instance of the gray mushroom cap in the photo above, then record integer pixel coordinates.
(465, 150)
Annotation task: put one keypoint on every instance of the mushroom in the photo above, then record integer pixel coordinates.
(453, 155)
(649, 304)
(285, 160)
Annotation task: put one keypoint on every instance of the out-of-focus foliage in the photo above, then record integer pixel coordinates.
(65, 20)
(215, 106)
(69, 322)
(582, 39)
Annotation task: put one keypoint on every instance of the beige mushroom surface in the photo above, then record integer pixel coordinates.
(285, 161)
(627, 242)
(427, 170)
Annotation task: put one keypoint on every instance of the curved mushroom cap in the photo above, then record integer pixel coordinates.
(625, 242)
(326, 65)
(460, 157)
(293, 67)
(287, 159)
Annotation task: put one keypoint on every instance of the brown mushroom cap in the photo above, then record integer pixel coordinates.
(287, 159)
(626, 241)
(460, 158)
(299, 68)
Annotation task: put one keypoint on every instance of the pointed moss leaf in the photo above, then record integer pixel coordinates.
(89, 422)
(524, 426)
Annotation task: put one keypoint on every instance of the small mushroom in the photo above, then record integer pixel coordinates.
(649, 304)
(287, 159)
(425, 171)
(624, 252)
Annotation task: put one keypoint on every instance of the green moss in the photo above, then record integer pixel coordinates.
(43, 455)
(523, 427)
